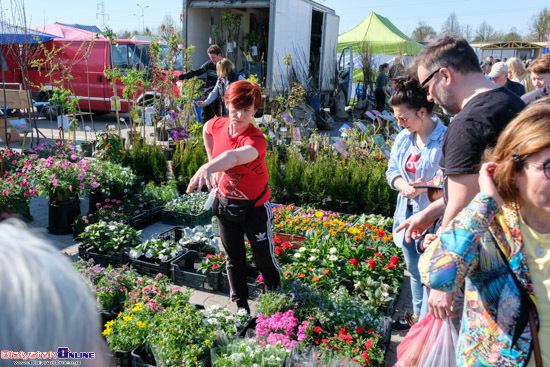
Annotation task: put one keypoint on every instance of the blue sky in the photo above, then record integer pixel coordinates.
(405, 14)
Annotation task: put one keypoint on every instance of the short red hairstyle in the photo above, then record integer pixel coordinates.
(243, 94)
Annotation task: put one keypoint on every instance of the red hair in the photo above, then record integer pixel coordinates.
(243, 94)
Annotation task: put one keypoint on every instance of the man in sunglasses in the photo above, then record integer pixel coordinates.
(449, 71)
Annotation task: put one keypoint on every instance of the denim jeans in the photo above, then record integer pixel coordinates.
(411, 259)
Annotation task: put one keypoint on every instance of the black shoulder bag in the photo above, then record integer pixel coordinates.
(233, 210)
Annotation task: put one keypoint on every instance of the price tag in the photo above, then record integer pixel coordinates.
(296, 136)
(340, 149)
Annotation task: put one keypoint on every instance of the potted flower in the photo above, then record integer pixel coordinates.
(16, 190)
(109, 146)
(154, 256)
(107, 242)
(63, 179)
(160, 195)
(111, 181)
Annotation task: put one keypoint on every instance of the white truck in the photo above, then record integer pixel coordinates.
(257, 34)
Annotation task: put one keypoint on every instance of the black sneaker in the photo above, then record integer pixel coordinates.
(400, 325)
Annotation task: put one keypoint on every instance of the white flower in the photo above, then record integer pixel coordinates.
(312, 258)
(332, 250)
(333, 258)
(314, 250)
(149, 254)
(297, 255)
(302, 249)
(134, 254)
(357, 285)
(163, 257)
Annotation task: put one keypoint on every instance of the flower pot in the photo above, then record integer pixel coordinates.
(161, 134)
(291, 238)
(62, 214)
(95, 197)
(87, 148)
(168, 154)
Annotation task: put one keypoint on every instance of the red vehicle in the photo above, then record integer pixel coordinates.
(85, 57)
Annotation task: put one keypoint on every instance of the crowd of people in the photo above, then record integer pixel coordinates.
(472, 215)
(493, 245)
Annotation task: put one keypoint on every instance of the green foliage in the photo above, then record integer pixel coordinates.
(355, 185)
(149, 161)
(65, 100)
(186, 163)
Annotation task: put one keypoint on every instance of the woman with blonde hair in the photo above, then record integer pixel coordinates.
(226, 76)
(499, 247)
(518, 73)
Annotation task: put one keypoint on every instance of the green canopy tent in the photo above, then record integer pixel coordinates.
(383, 37)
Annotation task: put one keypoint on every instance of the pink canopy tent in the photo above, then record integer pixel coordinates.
(68, 33)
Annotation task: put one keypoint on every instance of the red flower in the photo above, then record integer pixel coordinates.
(389, 266)
(325, 341)
(277, 241)
(354, 262)
(222, 256)
(318, 329)
(208, 256)
(369, 331)
(215, 266)
(394, 260)
(279, 251)
(287, 245)
(372, 264)
(360, 329)
(378, 254)
(368, 344)
(342, 331)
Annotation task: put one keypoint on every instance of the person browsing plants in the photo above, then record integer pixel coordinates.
(236, 167)
(499, 246)
(413, 161)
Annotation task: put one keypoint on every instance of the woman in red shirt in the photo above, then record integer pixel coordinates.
(236, 167)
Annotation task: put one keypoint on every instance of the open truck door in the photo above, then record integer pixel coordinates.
(345, 72)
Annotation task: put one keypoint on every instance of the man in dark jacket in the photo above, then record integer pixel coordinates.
(209, 67)
(499, 75)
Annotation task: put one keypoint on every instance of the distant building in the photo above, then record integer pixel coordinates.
(507, 49)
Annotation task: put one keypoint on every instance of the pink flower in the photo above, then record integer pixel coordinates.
(95, 185)
(52, 176)
(260, 278)
(54, 182)
(24, 184)
(81, 176)
(35, 192)
(81, 186)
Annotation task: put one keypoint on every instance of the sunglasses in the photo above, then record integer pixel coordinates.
(427, 80)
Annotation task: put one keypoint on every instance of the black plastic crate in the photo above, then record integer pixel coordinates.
(88, 252)
(121, 359)
(153, 268)
(250, 325)
(185, 273)
(175, 234)
(141, 357)
(186, 219)
(139, 221)
(254, 289)
(154, 215)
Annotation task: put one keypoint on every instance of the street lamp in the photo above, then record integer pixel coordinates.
(143, 15)
(139, 20)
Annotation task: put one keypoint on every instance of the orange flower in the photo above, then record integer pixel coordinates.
(301, 275)
(325, 271)
(386, 239)
(374, 237)
(286, 273)
(107, 146)
(315, 279)
(309, 268)
(391, 236)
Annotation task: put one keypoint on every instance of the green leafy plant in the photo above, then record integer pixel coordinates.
(149, 161)
(109, 145)
(156, 249)
(160, 193)
(189, 203)
(110, 237)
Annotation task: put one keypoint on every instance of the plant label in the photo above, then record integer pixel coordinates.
(362, 127)
(287, 117)
(296, 133)
(370, 115)
(340, 142)
(115, 103)
(340, 149)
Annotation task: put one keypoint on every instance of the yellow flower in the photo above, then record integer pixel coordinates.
(318, 214)
(207, 341)
(109, 323)
(353, 230)
(127, 318)
(107, 331)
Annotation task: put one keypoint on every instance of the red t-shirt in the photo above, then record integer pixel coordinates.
(245, 181)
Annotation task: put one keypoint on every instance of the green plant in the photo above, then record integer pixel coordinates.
(149, 161)
(212, 263)
(16, 190)
(187, 161)
(61, 178)
(109, 145)
(161, 194)
(154, 249)
(113, 179)
(189, 203)
(248, 352)
(110, 237)
(110, 285)
(223, 320)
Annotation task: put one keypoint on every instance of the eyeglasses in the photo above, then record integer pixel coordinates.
(545, 167)
(423, 84)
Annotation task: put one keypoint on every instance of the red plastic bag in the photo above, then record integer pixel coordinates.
(417, 340)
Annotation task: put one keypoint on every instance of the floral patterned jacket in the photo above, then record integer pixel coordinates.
(483, 247)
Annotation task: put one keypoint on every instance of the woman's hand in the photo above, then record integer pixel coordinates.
(201, 103)
(201, 178)
(429, 239)
(486, 183)
(439, 304)
(410, 192)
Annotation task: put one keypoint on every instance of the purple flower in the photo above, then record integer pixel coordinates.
(95, 185)
(81, 176)
(81, 186)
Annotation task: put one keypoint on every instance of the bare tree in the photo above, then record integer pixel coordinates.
(451, 27)
(423, 32)
(540, 26)
(467, 32)
(484, 32)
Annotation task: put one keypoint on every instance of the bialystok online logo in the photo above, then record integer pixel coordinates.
(62, 353)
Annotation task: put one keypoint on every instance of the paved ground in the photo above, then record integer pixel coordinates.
(39, 210)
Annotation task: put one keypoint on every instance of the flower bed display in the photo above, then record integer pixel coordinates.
(199, 239)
